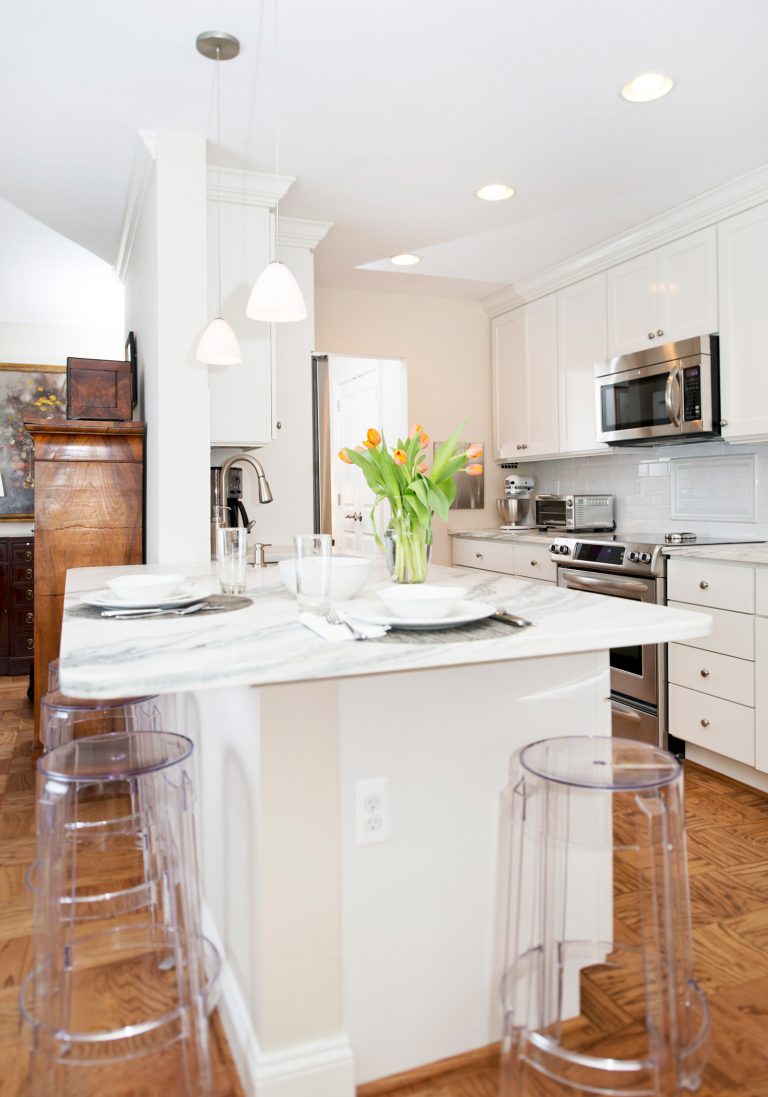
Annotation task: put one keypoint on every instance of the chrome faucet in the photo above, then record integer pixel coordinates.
(265, 495)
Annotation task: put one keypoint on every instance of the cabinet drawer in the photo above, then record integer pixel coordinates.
(709, 672)
(22, 573)
(22, 618)
(22, 643)
(3, 551)
(489, 555)
(732, 633)
(533, 562)
(22, 594)
(22, 554)
(710, 722)
(761, 591)
(709, 583)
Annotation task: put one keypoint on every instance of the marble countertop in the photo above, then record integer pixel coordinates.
(503, 534)
(738, 554)
(265, 644)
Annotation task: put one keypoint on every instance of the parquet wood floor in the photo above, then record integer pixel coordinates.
(728, 867)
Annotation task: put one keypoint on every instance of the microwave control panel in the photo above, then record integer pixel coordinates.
(692, 393)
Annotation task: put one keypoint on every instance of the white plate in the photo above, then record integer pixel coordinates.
(105, 599)
(464, 614)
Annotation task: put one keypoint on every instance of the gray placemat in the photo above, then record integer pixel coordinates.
(213, 604)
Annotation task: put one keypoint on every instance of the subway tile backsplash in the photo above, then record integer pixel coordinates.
(707, 487)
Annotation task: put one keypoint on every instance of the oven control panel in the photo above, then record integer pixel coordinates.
(607, 554)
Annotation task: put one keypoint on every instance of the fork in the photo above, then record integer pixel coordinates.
(138, 614)
(333, 618)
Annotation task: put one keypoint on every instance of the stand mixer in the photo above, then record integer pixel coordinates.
(515, 508)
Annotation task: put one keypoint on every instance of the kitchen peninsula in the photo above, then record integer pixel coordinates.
(345, 961)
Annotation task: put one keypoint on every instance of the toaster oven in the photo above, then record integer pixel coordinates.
(575, 512)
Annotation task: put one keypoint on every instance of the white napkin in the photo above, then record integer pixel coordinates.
(318, 624)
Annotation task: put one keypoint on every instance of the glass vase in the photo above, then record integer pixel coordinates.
(407, 549)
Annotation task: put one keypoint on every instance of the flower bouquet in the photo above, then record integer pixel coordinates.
(401, 476)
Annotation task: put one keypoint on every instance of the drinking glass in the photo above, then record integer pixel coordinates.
(313, 572)
(230, 552)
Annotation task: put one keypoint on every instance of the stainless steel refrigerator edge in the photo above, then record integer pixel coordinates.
(321, 444)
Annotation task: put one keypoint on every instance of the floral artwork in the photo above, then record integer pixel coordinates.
(24, 390)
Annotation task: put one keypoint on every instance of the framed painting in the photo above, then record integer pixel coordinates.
(470, 490)
(24, 390)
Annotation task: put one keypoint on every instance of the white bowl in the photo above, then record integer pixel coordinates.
(421, 601)
(349, 574)
(137, 588)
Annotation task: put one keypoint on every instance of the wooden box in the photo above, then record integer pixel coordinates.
(99, 389)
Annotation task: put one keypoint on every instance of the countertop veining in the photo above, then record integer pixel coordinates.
(264, 644)
(739, 554)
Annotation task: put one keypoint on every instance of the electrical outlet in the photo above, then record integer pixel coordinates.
(371, 811)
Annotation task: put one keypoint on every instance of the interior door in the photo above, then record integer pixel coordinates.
(356, 407)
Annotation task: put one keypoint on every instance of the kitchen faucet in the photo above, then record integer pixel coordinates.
(265, 495)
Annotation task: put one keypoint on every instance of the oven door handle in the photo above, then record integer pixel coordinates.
(673, 384)
(622, 588)
(624, 715)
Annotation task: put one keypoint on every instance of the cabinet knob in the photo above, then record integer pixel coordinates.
(723, 422)
(27, 557)
(28, 573)
(704, 673)
(30, 595)
(534, 563)
(524, 445)
(703, 585)
(30, 618)
(705, 722)
(30, 643)
(478, 555)
(659, 332)
(651, 335)
(518, 446)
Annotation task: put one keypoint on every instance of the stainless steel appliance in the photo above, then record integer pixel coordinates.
(575, 512)
(227, 506)
(670, 393)
(626, 567)
(515, 508)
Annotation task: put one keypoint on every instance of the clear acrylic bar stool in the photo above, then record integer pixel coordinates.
(598, 989)
(118, 980)
(63, 718)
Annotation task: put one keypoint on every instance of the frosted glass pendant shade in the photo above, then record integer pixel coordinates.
(218, 345)
(276, 297)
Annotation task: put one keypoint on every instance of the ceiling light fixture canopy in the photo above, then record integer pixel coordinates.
(495, 192)
(218, 345)
(405, 260)
(647, 86)
(276, 297)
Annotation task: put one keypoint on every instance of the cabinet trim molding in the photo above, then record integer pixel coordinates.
(706, 209)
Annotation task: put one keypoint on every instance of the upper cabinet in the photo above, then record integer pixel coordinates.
(581, 341)
(665, 295)
(524, 349)
(743, 252)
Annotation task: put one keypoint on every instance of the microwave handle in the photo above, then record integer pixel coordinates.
(673, 382)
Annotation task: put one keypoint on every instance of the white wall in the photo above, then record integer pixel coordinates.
(446, 345)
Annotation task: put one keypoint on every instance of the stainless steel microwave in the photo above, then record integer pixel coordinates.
(574, 512)
(668, 394)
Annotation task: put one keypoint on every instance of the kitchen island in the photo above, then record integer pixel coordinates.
(344, 961)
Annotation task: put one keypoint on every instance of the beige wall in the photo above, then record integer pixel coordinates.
(446, 344)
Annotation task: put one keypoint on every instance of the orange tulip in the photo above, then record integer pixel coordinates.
(415, 430)
(475, 451)
(343, 455)
(366, 444)
(474, 470)
(400, 457)
(373, 437)
(423, 440)
(423, 468)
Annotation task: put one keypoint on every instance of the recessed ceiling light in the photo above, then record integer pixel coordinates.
(405, 260)
(647, 86)
(495, 192)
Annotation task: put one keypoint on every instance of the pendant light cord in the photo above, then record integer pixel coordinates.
(218, 169)
(277, 124)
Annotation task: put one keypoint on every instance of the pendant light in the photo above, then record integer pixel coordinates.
(276, 297)
(218, 345)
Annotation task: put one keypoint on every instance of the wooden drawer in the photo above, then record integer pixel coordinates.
(22, 594)
(22, 643)
(732, 634)
(711, 583)
(489, 555)
(22, 554)
(533, 562)
(710, 722)
(22, 617)
(22, 573)
(709, 672)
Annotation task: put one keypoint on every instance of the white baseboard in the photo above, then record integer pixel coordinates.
(322, 1068)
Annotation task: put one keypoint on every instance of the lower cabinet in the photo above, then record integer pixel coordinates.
(17, 611)
(524, 559)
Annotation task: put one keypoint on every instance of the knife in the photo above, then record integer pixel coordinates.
(510, 619)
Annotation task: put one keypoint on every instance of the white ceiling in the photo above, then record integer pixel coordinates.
(391, 115)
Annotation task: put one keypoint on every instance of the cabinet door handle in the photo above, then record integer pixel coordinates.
(703, 585)
(524, 445)
(478, 556)
(28, 573)
(651, 335)
(30, 618)
(659, 332)
(27, 557)
(705, 722)
(30, 643)
(723, 422)
(30, 595)
(534, 563)
(518, 446)
(704, 673)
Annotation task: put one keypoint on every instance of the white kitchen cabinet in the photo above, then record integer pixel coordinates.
(743, 279)
(524, 559)
(525, 381)
(665, 295)
(582, 340)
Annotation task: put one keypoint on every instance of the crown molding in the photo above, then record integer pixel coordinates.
(714, 205)
(247, 188)
(143, 164)
(299, 233)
